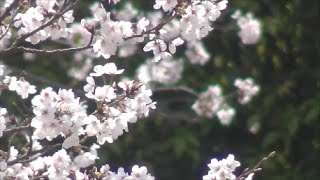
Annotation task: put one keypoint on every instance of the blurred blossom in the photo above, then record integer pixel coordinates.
(167, 72)
(250, 28)
(20, 86)
(80, 73)
(247, 89)
(209, 102)
(29, 56)
(255, 127)
(225, 115)
(196, 53)
(223, 169)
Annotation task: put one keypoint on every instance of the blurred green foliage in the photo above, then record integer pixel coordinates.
(286, 65)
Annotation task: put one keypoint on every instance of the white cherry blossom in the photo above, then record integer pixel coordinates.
(165, 4)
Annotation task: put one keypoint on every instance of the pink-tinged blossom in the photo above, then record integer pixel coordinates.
(223, 169)
(196, 53)
(127, 13)
(225, 115)
(59, 165)
(247, 89)
(35, 17)
(46, 5)
(109, 69)
(250, 28)
(140, 173)
(80, 73)
(58, 114)
(209, 102)
(112, 34)
(166, 5)
(125, 109)
(137, 173)
(167, 72)
(21, 87)
(195, 22)
(85, 159)
(104, 93)
(172, 45)
(90, 86)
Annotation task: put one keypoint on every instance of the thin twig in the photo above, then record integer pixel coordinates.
(56, 51)
(27, 155)
(16, 129)
(15, 44)
(256, 168)
(171, 15)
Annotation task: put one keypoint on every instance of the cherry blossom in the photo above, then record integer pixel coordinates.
(247, 89)
(21, 87)
(195, 22)
(222, 170)
(165, 4)
(209, 102)
(250, 28)
(225, 115)
(109, 68)
(167, 72)
(58, 114)
(196, 53)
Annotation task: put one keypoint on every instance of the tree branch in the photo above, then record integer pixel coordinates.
(171, 15)
(14, 47)
(256, 168)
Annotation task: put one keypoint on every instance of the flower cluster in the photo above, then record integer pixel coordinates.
(211, 102)
(58, 114)
(61, 165)
(115, 110)
(112, 34)
(165, 4)
(21, 87)
(247, 89)
(196, 53)
(195, 21)
(137, 173)
(250, 28)
(223, 169)
(36, 17)
(166, 72)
